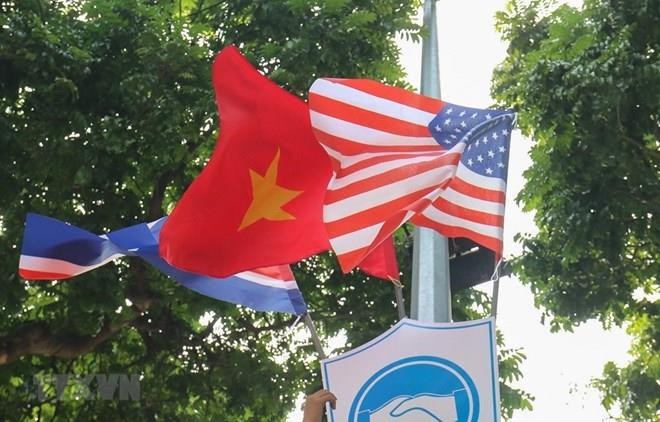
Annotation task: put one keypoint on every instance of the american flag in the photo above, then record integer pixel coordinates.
(472, 205)
(393, 156)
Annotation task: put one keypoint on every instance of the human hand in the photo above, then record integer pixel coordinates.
(314, 404)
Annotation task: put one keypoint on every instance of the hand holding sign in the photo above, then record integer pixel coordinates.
(314, 405)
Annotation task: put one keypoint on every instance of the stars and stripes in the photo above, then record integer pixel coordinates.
(54, 250)
(472, 205)
(400, 156)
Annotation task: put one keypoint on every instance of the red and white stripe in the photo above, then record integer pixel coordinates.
(387, 166)
(279, 277)
(472, 206)
(40, 268)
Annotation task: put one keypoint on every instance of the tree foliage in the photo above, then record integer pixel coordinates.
(586, 85)
(108, 114)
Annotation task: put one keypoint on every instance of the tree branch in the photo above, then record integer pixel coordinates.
(38, 339)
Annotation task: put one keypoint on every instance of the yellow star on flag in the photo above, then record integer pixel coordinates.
(268, 197)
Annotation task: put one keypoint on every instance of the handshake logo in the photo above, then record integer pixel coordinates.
(422, 408)
(417, 389)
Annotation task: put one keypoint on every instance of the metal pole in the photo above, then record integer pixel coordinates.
(431, 294)
(496, 296)
(496, 288)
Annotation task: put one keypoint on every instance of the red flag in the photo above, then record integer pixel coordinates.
(381, 262)
(258, 202)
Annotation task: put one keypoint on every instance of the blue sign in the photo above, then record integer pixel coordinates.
(418, 372)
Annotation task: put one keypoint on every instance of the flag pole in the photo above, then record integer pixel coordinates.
(315, 337)
(398, 293)
(496, 288)
(431, 293)
(495, 298)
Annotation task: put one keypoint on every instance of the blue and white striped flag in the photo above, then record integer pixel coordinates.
(54, 250)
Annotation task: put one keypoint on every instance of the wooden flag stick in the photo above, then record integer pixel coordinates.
(315, 337)
(398, 293)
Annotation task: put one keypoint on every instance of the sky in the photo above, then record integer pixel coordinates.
(559, 366)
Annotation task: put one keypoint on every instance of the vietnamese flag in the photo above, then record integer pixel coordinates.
(259, 200)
